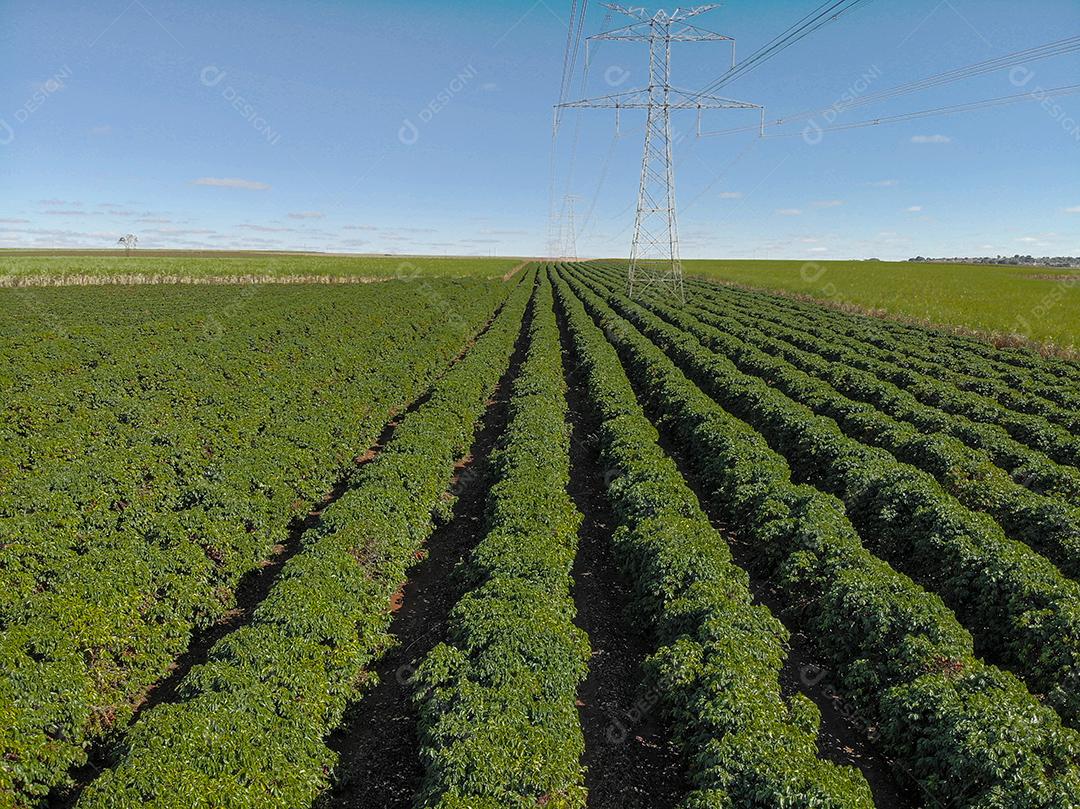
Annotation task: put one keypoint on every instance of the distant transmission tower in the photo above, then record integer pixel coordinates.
(570, 229)
(655, 262)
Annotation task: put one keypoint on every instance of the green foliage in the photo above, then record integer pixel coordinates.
(1045, 523)
(718, 659)
(497, 701)
(249, 726)
(995, 378)
(159, 450)
(1015, 601)
(897, 651)
(986, 298)
(42, 268)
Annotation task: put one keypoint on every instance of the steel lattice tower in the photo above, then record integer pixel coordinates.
(655, 262)
(570, 229)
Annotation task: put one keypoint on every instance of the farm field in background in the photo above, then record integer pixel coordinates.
(59, 266)
(1040, 303)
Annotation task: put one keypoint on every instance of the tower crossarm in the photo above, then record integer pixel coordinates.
(630, 100)
(644, 31)
(686, 13)
(695, 101)
(643, 100)
(637, 12)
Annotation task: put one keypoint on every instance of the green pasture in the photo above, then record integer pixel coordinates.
(1041, 304)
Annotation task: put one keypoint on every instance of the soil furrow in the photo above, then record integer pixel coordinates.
(377, 742)
(845, 736)
(629, 758)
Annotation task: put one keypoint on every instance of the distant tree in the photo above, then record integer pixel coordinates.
(129, 243)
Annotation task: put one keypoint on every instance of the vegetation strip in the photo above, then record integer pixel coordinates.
(1035, 389)
(630, 757)
(250, 728)
(154, 466)
(897, 652)
(836, 358)
(377, 743)
(499, 722)
(971, 309)
(1043, 523)
(1015, 601)
(142, 279)
(719, 656)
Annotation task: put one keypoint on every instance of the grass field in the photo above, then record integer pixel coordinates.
(1040, 304)
(70, 267)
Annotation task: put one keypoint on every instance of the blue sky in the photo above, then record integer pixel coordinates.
(425, 127)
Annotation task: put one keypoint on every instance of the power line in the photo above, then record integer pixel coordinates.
(1071, 89)
(1016, 59)
(983, 68)
(575, 28)
(825, 13)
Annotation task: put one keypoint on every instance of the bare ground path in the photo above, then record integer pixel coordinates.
(629, 758)
(377, 742)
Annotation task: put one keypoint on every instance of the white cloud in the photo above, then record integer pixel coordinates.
(731, 195)
(180, 232)
(307, 215)
(495, 232)
(232, 182)
(14, 221)
(885, 184)
(789, 212)
(828, 203)
(1028, 240)
(265, 229)
(915, 209)
(64, 213)
(1073, 210)
(489, 87)
(819, 249)
(931, 139)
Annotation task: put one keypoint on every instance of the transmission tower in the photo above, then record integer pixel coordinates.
(570, 229)
(655, 263)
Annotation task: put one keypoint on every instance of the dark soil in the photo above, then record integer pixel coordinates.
(845, 737)
(377, 742)
(629, 758)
